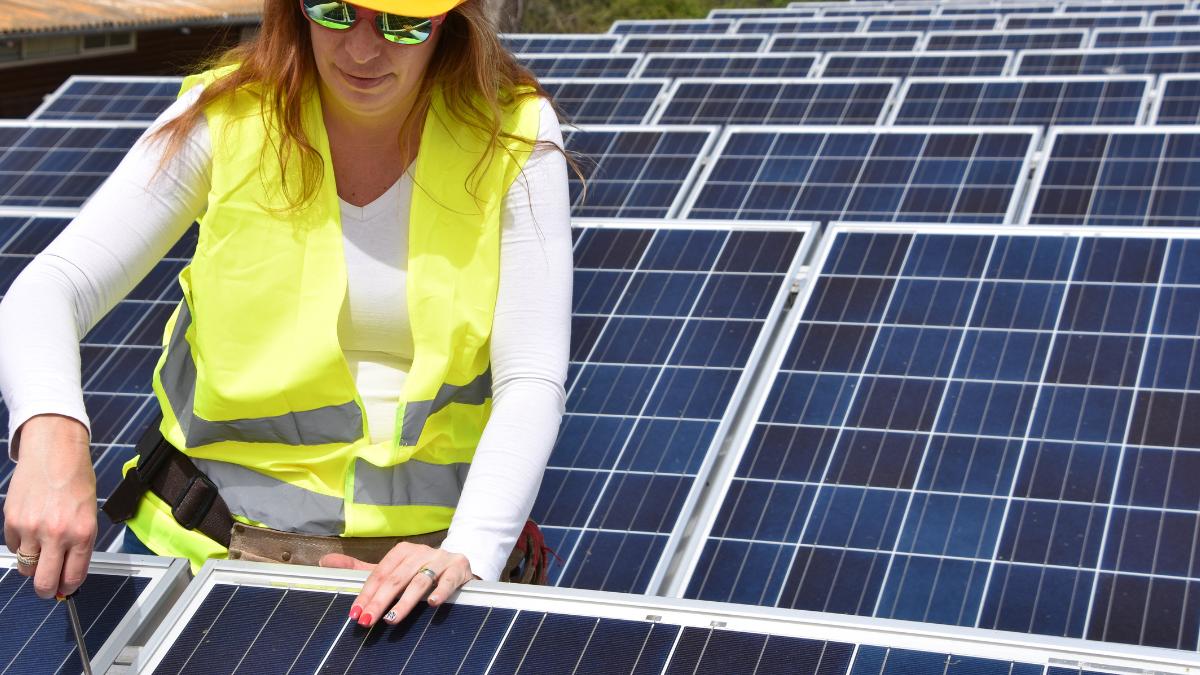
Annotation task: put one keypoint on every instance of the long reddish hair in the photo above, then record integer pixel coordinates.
(478, 78)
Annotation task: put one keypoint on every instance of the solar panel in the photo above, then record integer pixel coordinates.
(728, 65)
(797, 25)
(1013, 40)
(635, 171)
(299, 624)
(59, 164)
(1025, 100)
(760, 13)
(1133, 176)
(975, 427)
(668, 320)
(1072, 7)
(127, 99)
(884, 64)
(560, 43)
(844, 42)
(119, 592)
(855, 9)
(602, 100)
(1146, 61)
(1175, 19)
(1145, 37)
(926, 24)
(702, 44)
(1092, 20)
(671, 26)
(1005, 8)
(1178, 101)
(884, 174)
(776, 101)
(581, 65)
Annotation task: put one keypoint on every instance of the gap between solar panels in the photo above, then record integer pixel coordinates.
(257, 618)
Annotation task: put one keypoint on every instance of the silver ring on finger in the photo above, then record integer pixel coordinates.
(27, 559)
(429, 573)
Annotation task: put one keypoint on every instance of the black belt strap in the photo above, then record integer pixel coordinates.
(168, 473)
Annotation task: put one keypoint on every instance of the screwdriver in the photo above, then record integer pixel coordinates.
(77, 631)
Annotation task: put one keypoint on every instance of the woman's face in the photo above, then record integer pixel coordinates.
(364, 74)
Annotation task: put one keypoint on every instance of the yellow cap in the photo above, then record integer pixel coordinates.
(410, 7)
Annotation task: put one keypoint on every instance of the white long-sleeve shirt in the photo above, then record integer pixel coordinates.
(131, 222)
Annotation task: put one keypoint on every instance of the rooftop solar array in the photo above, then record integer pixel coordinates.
(927, 420)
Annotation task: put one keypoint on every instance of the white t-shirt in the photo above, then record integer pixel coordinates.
(131, 222)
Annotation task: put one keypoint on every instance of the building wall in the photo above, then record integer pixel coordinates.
(159, 52)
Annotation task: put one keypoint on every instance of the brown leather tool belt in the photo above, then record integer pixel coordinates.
(196, 504)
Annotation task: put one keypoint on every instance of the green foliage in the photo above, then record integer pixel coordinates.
(595, 16)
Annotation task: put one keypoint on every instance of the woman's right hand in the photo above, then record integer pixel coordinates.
(50, 511)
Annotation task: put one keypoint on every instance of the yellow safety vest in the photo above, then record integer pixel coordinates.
(253, 383)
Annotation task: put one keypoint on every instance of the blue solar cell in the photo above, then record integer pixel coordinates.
(883, 64)
(664, 322)
(843, 42)
(670, 27)
(55, 164)
(1096, 20)
(825, 101)
(1119, 178)
(850, 9)
(1179, 102)
(1007, 39)
(695, 65)
(518, 43)
(876, 174)
(110, 99)
(755, 13)
(1149, 61)
(1015, 101)
(928, 24)
(1006, 8)
(1175, 19)
(581, 65)
(1146, 37)
(37, 637)
(1010, 467)
(605, 101)
(686, 44)
(797, 25)
(1074, 7)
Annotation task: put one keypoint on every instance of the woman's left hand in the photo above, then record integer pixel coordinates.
(400, 575)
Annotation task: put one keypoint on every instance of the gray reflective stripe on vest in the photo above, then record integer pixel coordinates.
(416, 413)
(330, 424)
(413, 482)
(275, 503)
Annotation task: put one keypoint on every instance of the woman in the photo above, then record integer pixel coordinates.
(371, 265)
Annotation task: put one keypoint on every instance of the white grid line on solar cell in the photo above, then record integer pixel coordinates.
(581, 65)
(516, 39)
(668, 26)
(903, 40)
(1144, 100)
(1019, 64)
(760, 13)
(1189, 36)
(1185, 18)
(953, 62)
(717, 85)
(798, 25)
(932, 23)
(56, 97)
(928, 42)
(1055, 136)
(724, 475)
(616, 96)
(1034, 133)
(699, 44)
(639, 412)
(696, 614)
(650, 61)
(1175, 81)
(683, 183)
(1076, 20)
